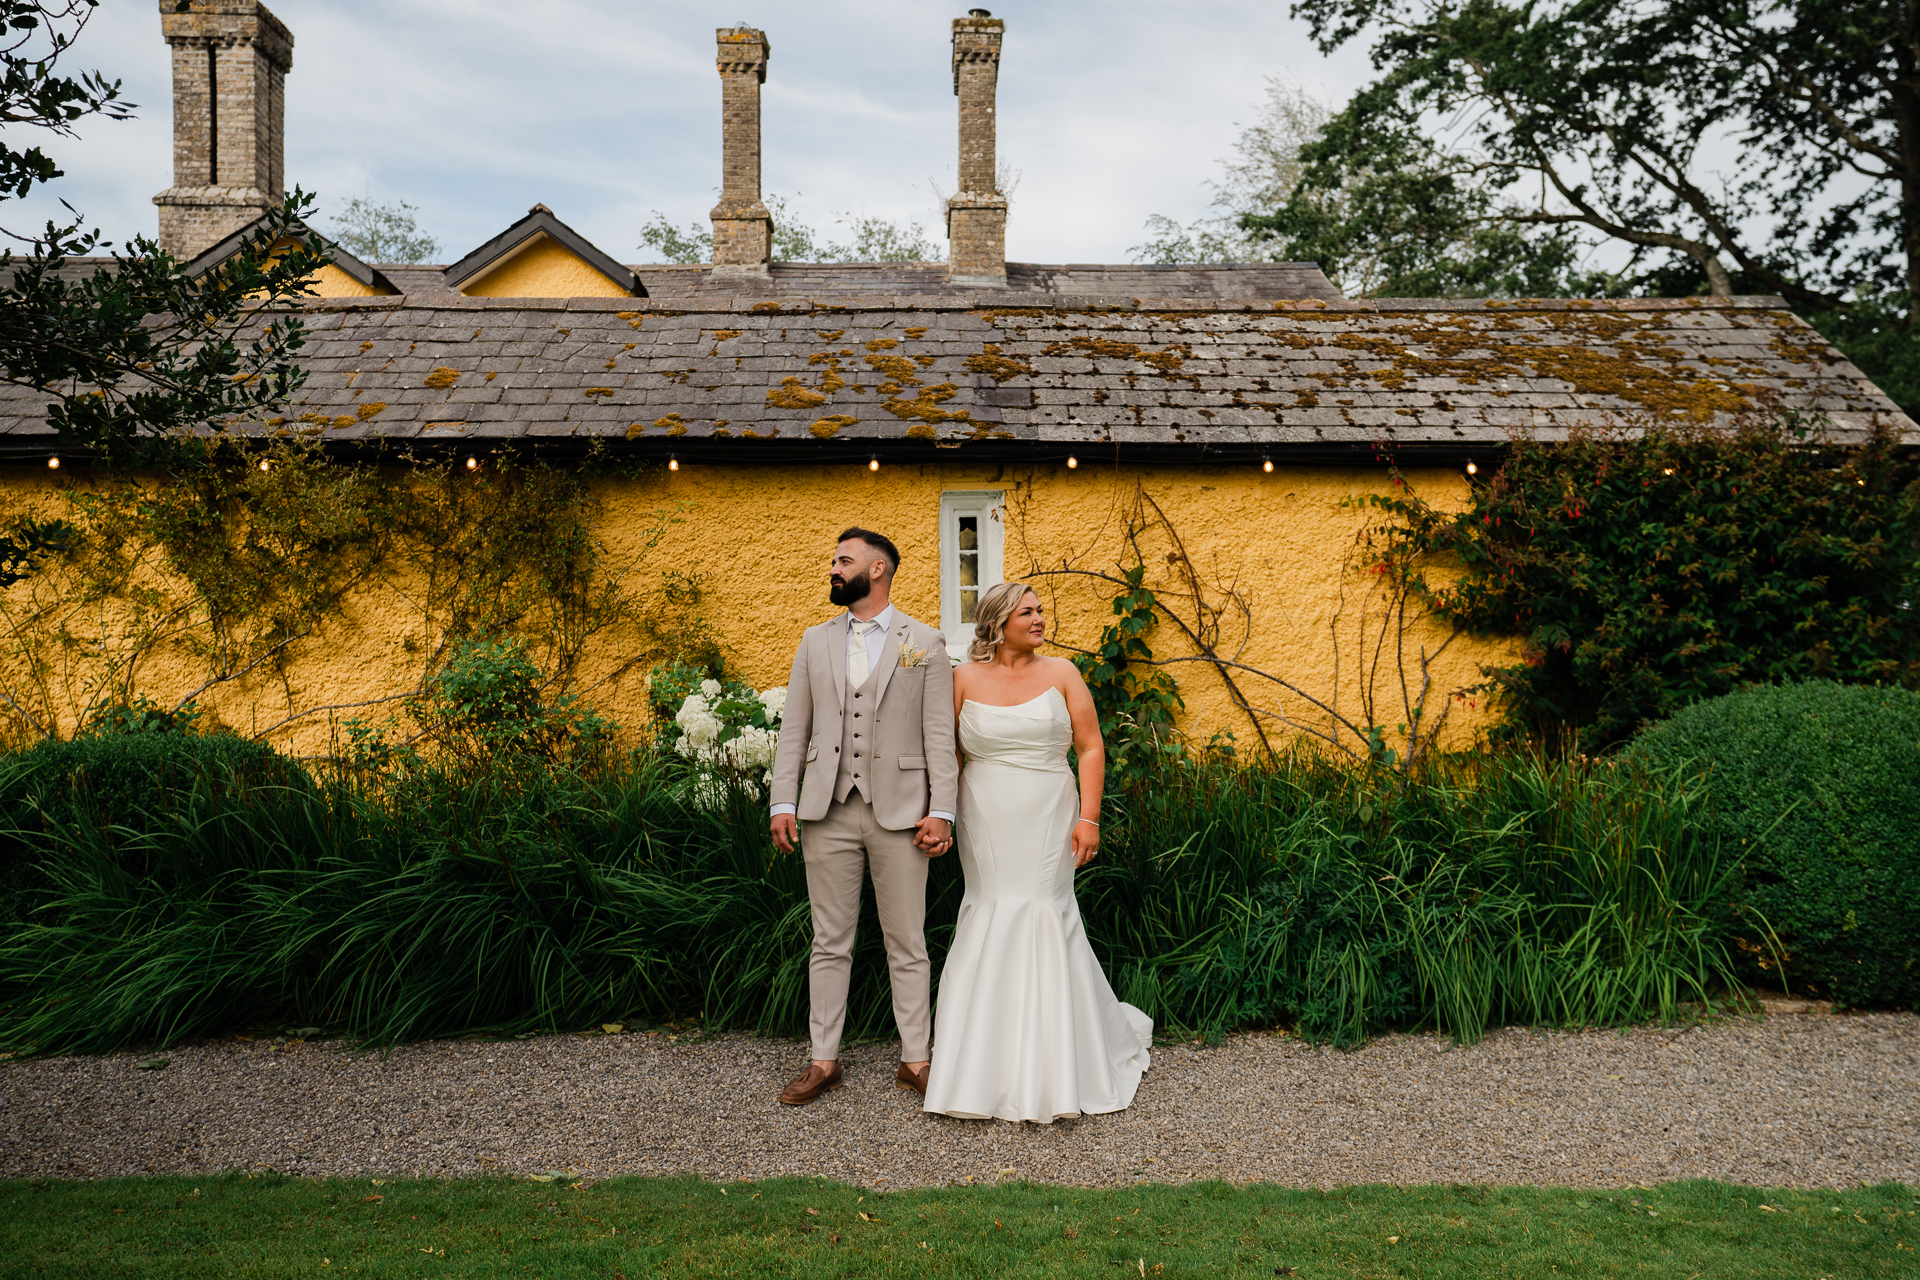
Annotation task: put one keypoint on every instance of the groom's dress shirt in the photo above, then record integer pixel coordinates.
(876, 643)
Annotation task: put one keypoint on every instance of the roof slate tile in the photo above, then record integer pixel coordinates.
(1053, 369)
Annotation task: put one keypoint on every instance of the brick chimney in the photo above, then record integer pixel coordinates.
(742, 227)
(977, 213)
(230, 62)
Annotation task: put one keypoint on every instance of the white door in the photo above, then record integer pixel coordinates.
(971, 524)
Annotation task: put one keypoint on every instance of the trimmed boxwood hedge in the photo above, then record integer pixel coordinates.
(1817, 786)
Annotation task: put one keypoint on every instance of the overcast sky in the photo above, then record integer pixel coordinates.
(473, 110)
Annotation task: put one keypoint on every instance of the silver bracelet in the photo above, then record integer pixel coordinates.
(1090, 822)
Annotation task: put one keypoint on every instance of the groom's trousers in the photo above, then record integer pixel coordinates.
(839, 849)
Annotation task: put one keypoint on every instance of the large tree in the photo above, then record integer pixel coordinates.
(1393, 223)
(135, 353)
(1773, 146)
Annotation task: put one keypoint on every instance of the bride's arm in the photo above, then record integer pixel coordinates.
(1092, 750)
(962, 681)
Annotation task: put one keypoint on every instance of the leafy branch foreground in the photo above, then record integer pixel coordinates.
(276, 1226)
(1459, 897)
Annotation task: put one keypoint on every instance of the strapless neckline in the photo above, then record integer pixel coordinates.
(994, 706)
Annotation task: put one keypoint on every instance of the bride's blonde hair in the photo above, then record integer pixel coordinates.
(990, 618)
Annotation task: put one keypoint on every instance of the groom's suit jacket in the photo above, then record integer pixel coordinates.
(912, 765)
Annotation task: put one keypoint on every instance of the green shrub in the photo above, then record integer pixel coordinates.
(128, 770)
(490, 703)
(1817, 785)
(1645, 569)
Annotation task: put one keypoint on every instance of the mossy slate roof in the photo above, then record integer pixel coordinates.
(1031, 373)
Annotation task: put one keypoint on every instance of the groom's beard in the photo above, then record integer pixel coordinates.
(845, 593)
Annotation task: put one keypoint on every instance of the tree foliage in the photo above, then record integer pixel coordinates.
(871, 240)
(1614, 117)
(375, 232)
(1645, 570)
(133, 354)
(1393, 223)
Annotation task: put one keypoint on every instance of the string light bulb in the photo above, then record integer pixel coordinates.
(53, 463)
(1072, 462)
(265, 465)
(1667, 471)
(1473, 468)
(873, 463)
(473, 463)
(673, 463)
(1266, 465)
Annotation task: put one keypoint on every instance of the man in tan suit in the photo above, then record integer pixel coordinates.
(867, 760)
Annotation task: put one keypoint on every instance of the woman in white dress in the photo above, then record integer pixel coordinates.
(1027, 1027)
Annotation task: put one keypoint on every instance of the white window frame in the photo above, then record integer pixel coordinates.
(989, 505)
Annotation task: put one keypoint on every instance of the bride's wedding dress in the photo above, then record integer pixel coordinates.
(1026, 1026)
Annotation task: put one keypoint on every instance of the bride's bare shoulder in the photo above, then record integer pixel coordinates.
(1064, 674)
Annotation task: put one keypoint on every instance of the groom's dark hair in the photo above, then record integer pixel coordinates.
(879, 542)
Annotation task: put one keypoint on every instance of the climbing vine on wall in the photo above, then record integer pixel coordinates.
(1649, 565)
(1382, 707)
(245, 564)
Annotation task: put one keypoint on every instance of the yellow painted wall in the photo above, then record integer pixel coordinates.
(331, 282)
(1284, 541)
(758, 538)
(544, 269)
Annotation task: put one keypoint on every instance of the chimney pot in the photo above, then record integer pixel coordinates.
(977, 213)
(742, 226)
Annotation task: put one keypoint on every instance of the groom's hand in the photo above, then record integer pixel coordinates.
(933, 835)
(786, 831)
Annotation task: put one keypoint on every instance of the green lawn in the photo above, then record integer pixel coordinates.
(271, 1226)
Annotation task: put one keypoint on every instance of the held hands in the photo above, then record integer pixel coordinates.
(933, 835)
(1086, 842)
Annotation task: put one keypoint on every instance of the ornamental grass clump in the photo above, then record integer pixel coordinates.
(434, 900)
(1815, 791)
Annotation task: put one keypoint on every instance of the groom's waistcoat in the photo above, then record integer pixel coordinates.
(889, 741)
(856, 742)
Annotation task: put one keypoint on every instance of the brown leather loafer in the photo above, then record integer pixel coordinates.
(810, 1084)
(914, 1078)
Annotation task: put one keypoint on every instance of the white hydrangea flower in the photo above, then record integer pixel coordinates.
(711, 688)
(752, 750)
(775, 701)
(697, 722)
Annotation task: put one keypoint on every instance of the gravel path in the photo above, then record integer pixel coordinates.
(1806, 1099)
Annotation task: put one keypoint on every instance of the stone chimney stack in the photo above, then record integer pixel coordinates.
(230, 63)
(977, 214)
(742, 227)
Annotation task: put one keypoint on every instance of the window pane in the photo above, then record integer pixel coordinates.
(967, 600)
(969, 533)
(970, 569)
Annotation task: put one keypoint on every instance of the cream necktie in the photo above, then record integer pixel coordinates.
(857, 665)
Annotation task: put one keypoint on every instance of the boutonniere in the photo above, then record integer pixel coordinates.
(912, 656)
